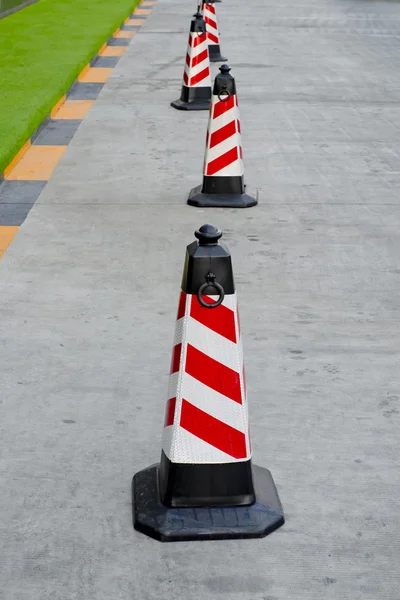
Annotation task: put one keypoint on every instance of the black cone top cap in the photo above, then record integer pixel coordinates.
(224, 83)
(208, 235)
(205, 256)
(198, 24)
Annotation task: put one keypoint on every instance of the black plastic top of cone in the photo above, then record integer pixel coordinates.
(198, 24)
(208, 235)
(224, 82)
(206, 256)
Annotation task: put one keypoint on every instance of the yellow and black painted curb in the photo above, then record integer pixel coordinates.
(25, 177)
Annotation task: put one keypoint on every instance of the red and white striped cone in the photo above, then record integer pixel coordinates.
(205, 486)
(223, 172)
(196, 86)
(210, 18)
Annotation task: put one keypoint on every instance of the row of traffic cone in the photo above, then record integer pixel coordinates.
(205, 485)
(223, 172)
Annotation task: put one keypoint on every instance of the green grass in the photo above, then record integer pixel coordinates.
(43, 48)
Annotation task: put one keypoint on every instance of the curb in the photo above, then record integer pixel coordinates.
(24, 178)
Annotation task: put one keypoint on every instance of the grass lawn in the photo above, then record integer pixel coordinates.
(43, 48)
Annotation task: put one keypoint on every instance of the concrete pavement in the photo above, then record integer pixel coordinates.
(89, 290)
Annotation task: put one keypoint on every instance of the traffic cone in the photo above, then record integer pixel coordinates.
(205, 486)
(210, 18)
(196, 87)
(223, 181)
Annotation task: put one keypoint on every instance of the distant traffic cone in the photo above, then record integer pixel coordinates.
(223, 181)
(210, 17)
(196, 87)
(205, 486)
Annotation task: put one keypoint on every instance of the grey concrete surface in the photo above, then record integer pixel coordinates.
(88, 298)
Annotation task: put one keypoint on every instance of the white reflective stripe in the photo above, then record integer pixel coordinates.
(167, 441)
(187, 448)
(215, 404)
(174, 385)
(193, 71)
(206, 82)
(179, 325)
(233, 170)
(213, 345)
(227, 117)
(231, 142)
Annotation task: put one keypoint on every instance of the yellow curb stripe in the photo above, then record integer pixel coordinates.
(37, 164)
(102, 48)
(84, 70)
(58, 105)
(135, 22)
(96, 75)
(7, 233)
(114, 51)
(16, 158)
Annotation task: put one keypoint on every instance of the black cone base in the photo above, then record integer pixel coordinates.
(221, 523)
(198, 198)
(195, 105)
(193, 98)
(215, 55)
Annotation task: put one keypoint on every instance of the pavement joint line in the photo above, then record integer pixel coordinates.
(36, 161)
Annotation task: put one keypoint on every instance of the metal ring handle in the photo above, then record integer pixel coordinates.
(215, 285)
(227, 95)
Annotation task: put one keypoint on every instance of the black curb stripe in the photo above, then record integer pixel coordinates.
(84, 91)
(58, 132)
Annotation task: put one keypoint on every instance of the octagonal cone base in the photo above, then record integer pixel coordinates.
(167, 524)
(198, 198)
(200, 104)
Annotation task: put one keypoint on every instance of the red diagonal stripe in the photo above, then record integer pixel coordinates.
(185, 78)
(213, 38)
(238, 124)
(222, 134)
(199, 39)
(213, 374)
(169, 412)
(220, 319)
(188, 60)
(182, 306)
(200, 57)
(222, 161)
(223, 107)
(210, 8)
(211, 23)
(200, 76)
(176, 358)
(213, 431)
